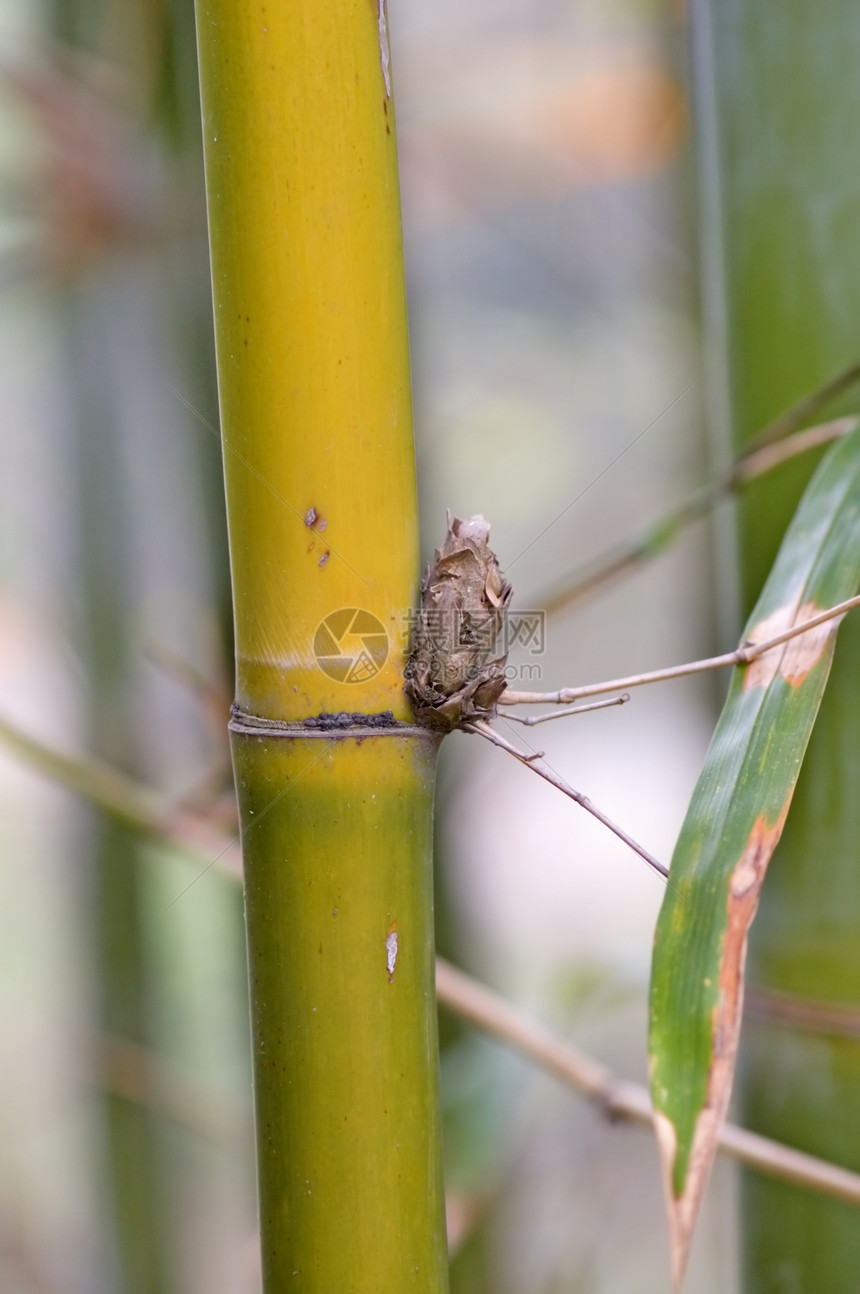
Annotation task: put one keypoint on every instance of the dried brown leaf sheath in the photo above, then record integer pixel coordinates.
(455, 672)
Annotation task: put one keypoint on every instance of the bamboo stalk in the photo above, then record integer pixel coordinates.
(335, 783)
(138, 1226)
(775, 291)
(339, 913)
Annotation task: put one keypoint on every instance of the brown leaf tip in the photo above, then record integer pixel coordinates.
(742, 900)
(456, 672)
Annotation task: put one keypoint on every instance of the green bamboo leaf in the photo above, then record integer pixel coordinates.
(732, 827)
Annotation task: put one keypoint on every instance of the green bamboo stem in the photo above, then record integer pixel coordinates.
(314, 390)
(339, 913)
(778, 100)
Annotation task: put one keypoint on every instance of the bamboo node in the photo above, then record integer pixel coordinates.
(333, 726)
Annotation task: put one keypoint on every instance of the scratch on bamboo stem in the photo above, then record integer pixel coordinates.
(391, 946)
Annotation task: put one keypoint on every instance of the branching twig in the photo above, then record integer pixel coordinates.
(620, 1099)
(746, 653)
(134, 805)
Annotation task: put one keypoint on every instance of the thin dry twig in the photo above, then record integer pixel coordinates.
(744, 654)
(133, 804)
(757, 459)
(620, 1099)
(534, 762)
(125, 800)
(807, 407)
(762, 457)
(801, 1012)
(150, 1080)
(531, 720)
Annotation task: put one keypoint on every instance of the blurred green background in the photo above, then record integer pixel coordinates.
(546, 194)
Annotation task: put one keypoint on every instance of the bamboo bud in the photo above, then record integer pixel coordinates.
(455, 674)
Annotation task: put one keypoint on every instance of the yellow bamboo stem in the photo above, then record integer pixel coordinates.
(334, 781)
(310, 316)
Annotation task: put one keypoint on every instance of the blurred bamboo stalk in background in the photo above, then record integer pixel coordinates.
(777, 106)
